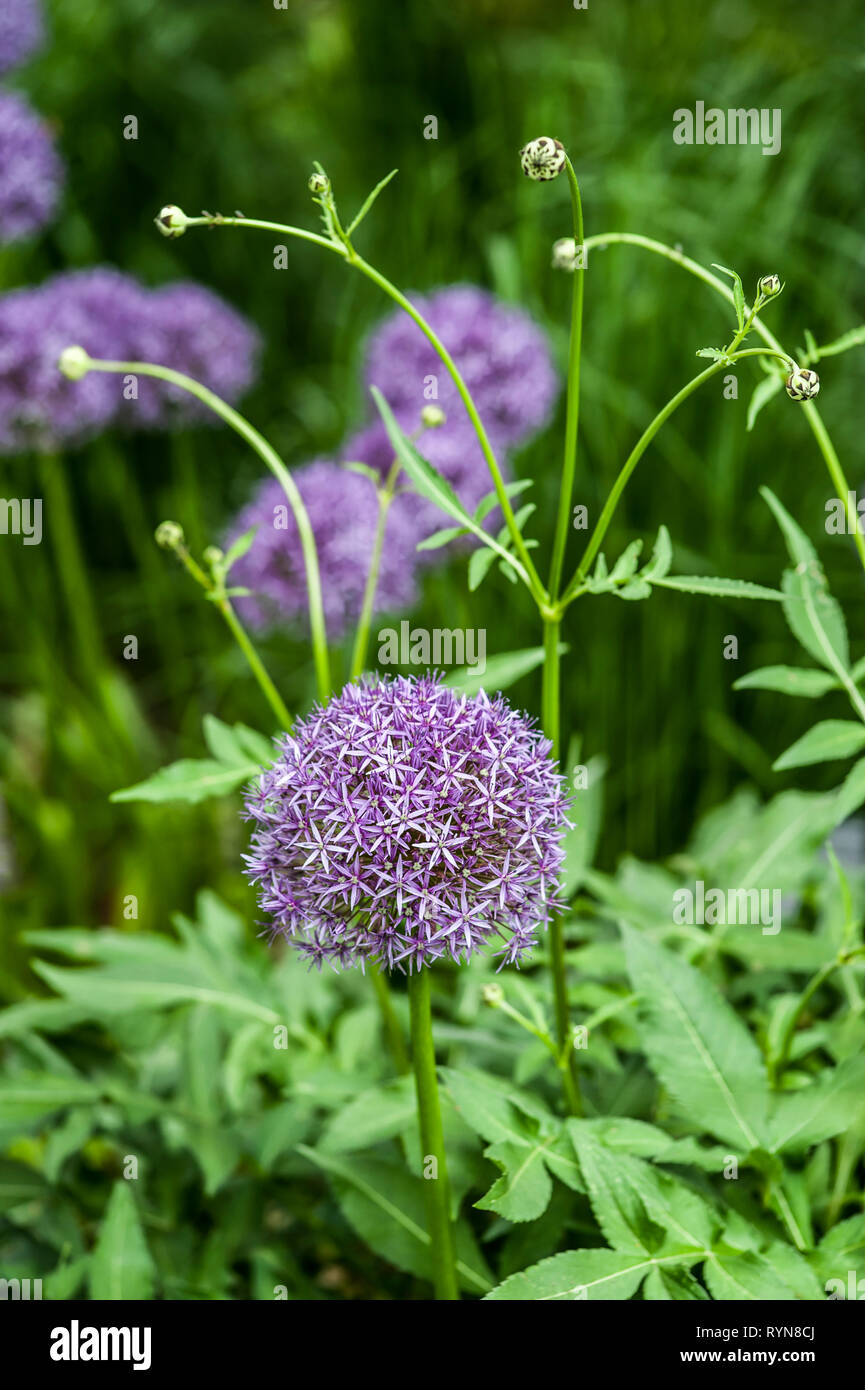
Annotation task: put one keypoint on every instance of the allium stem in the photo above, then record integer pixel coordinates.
(269, 455)
(432, 1136)
(569, 464)
(361, 640)
(393, 1031)
(70, 565)
(256, 665)
(550, 723)
(815, 420)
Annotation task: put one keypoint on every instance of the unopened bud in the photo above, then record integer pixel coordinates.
(213, 555)
(74, 363)
(769, 286)
(432, 417)
(319, 184)
(169, 535)
(172, 221)
(492, 995)
(803, 384)
(543, 158)
(565, 254)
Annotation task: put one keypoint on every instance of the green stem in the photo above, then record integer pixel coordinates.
(269, 455)
(256, 665)
(550, 723)
(432, 1136)
(392, 1029)
(350, 256)
(569, 464)
(70, 564)
(827, 449)
(815, 983)
(361, 639)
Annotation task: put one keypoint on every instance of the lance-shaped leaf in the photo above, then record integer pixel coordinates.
(830, 739)
(815, 618)
(788, 680)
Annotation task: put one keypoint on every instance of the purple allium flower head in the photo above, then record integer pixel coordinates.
(343, 513)
(39, 407)
(501, 353)
(405, 822)
(192, 330)
(31, 174)
(21, 31)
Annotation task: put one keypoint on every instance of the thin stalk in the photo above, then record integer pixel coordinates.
(569, 464)
(256, 665)
(364, 622)
(392, 1029)
(550, 723)
(815, 420)
(351, 257)
(70, 564)
(815, 983)
(432, 1136)
(269, 455)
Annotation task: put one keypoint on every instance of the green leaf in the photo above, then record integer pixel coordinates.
(745, 1277)
(789, 680)
(662, 557)
(431, 485)
(763, 393)
(26, 1098)
(698, 1046)
(717, 588)
(738, 292)
(380, 1113)
(500, 671)
(814, 617)
(385, 1205)
(369, 200)
(121, 1267)
(444, 537)
(600, 1275)
(586, 811)
(363, 470)
(191, 780)
(854, 338)
(238, 549)
(480, 562)
(830, 739)
(827, 1107)
(102, 992)
(523, 1191)
(490, 500)
(841, 1249)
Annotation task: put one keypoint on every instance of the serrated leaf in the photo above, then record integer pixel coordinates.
(827, 1107)
(814, 617)
(717, 588)
(599, 1275)
(788, 680)
(121, 1267)
(523, 1191)
(698, 1046)
(662, 557)
(745, 1277)
(828, 740)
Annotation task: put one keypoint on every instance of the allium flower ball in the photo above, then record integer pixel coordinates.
(21, 31)
(404, 822)
(343, 514)
(803, 384)
(31, 174)
(502, 355)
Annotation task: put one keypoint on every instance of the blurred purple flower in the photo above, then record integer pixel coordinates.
(405, 822)
(21, 31)
(343, 512)
(31, 174)
(190, 329)
(502, 355)
(111, 315)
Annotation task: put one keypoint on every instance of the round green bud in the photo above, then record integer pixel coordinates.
(803, 384)
(213, 555)
(565, 254)
(172, 221)
(543, 158)
(432, 417)
(769, 286)
(319, 184)
(492, 995)
(74, 363)
(169, 535)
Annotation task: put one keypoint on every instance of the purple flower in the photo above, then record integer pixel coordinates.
(190, 329)
(501, 353)
(343, 512)
(110, 315)
(21, 31)
(404, 822)
(31, 173)
(39, 407)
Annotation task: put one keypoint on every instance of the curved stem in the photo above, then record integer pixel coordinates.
(436, 1189)
(256, 665)
(569, 464)
(269, 455)
(351, 257)
(815, 420)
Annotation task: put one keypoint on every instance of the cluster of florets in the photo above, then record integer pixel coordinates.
(31, 173)
(21, 32)
(404, 822)
(111, 315)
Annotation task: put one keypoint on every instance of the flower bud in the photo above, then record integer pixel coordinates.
(213, 555)
(803, 384)
(74, 363)
(565, 254)
(319, 184)
(172, 221)
(432, 417)
(493, 995)
(169, 535)
(543, 158)
(769, 286)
